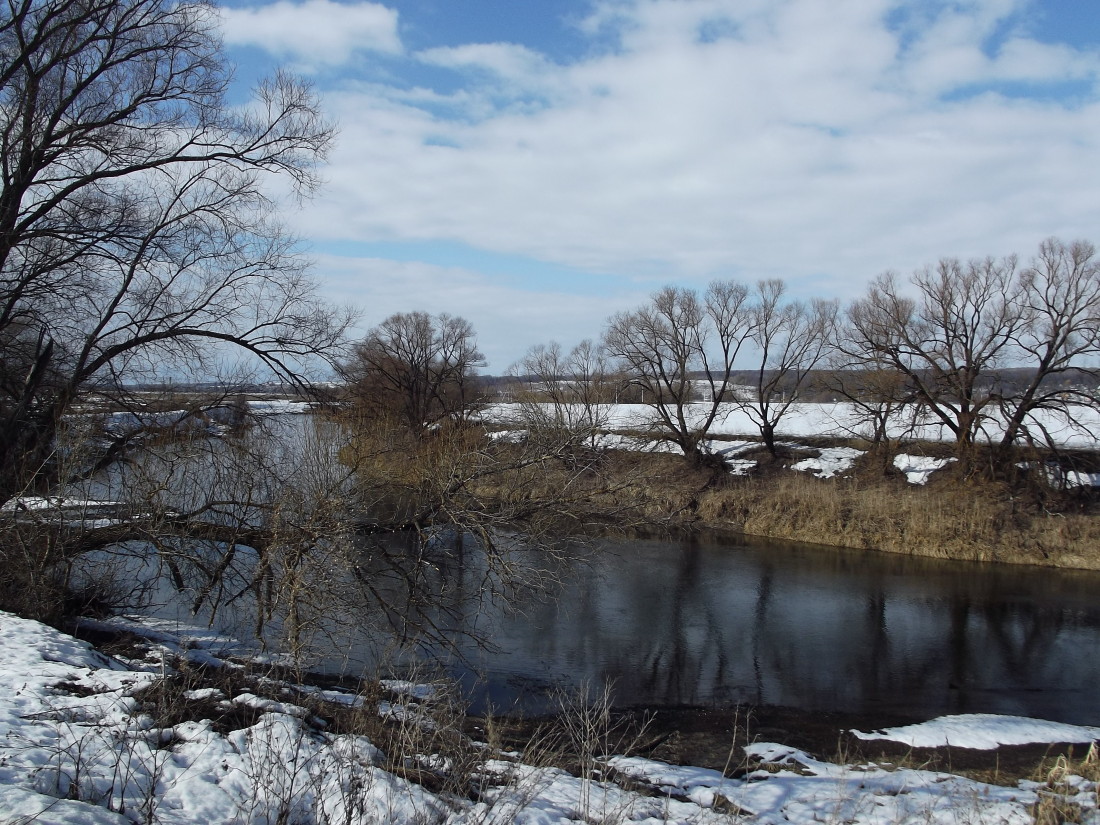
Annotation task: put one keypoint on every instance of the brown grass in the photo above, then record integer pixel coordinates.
(958, 519)
(952, 517)
(955, 516)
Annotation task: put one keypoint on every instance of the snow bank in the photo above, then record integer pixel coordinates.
(76, 747)
(918, 468)
(983, 731)
(806, 790)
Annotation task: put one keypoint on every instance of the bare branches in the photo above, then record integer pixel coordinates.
(418, 367)
(791, 339)
(981, 344)
(137, 235)
(676, 344)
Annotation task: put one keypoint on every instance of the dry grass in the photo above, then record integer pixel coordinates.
(959, 519)
(965, 517)
(1059, 801)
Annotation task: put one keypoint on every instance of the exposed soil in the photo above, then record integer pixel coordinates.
(714, 738)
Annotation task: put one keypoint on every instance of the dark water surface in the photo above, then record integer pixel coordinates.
(721, 623)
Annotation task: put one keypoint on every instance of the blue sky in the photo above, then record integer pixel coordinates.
(537, 166)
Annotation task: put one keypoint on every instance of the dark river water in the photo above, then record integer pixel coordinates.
(723, 623)
(709, 622)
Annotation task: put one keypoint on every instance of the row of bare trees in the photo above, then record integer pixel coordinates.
(981, 345)
(984, 348)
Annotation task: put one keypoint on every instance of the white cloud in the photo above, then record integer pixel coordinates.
(509, 317)
(813, 141)
(313, 32)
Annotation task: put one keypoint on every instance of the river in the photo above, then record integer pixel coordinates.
(712, 622)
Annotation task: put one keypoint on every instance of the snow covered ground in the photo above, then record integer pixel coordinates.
(831, 420)
(834, 420)
(79, 746)
(983, 731)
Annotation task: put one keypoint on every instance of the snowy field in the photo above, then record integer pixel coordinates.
(832, 420)
(78, 747)
(836, 420)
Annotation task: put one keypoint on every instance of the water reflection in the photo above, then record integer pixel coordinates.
(702, 623)
(705, 623)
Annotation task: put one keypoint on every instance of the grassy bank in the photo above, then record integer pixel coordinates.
(952, 517)
(457, 477)
(957, 519)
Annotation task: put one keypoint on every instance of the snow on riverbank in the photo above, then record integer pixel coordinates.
(919, 468)
(984, 731)
(78, 745)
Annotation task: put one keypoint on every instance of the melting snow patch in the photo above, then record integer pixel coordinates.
(811, 791)
(918, 468)
(983, 731)
(414, 690)
(831, 462)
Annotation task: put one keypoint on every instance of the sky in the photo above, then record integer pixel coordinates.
(538, 165)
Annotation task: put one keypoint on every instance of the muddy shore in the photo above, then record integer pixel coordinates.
(714, 738)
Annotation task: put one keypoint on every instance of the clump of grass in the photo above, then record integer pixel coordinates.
(1064, 781)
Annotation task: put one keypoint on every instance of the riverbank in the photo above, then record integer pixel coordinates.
(164, 730)
(869, 504)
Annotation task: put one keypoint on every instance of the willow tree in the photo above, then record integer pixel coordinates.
(791, 339)
(679, 349)
(993, 352)
(139, 242)
(138, 238)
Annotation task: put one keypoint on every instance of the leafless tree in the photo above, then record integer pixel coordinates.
(980, 344)
(420, 368)
(565, 396)
(1059, 304)
(792, 339)
(948, 340)
(680, 346)
(137, 235)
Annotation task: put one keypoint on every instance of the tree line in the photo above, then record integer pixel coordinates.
(979, 347)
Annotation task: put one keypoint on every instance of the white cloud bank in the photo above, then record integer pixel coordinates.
(314, 32)
(820, 142)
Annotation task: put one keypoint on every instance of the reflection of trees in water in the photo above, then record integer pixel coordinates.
(691, 626)
(672, 624)
(687, 654)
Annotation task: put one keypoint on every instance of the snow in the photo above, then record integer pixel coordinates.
(832, 462)
(829, 420)
(1079, 478)
(918, 468)
(983, 731)
(415, 690)
(805, 790)
(77, 746)
(279, 406)
(34, 503)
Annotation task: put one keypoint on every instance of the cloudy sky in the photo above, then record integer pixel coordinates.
(536, 165)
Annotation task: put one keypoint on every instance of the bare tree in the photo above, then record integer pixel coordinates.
(679, 347)
(948, 340)
(792, 339)
(980, 344)
(565, 396)
(418, 367)
(1059, 303)
(137, 238)
(877, 402)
